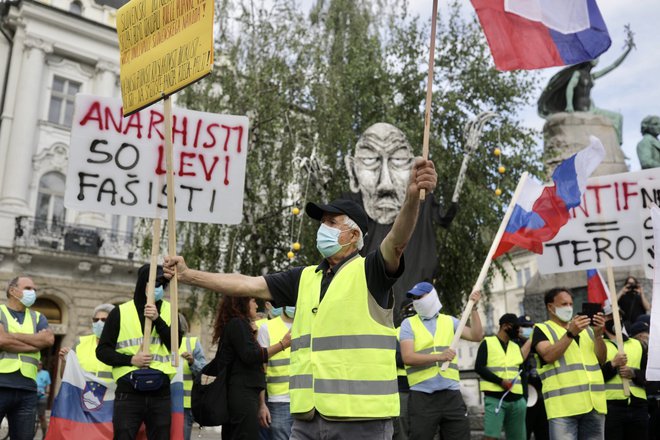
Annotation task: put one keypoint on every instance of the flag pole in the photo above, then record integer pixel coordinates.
(484, 269)
(429, 92)
(617, 323)
(151, 285)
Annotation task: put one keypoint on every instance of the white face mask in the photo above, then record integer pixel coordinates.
(427, 306)
(564, 313)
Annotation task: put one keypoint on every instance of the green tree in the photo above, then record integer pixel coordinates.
(313, 82)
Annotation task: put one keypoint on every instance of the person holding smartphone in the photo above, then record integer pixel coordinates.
(632, 301)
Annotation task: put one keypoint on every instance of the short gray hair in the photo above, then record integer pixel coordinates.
(107, 308)
(352, 225)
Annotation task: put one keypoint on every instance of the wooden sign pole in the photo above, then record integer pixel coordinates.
(617, 321)
(151, 285)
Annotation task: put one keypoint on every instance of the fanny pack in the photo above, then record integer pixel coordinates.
(146, 379)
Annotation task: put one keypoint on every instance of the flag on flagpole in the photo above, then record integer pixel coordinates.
(653, 363)
(542, 210)
(83, 407)
(532, 34)
(597, 291)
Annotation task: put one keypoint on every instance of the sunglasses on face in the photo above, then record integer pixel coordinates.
(98, 319)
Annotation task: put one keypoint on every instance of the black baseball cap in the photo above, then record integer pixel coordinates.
(509, 318)
(340, 206)
(525, 321)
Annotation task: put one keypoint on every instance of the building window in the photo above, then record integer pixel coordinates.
(62, 98)
(50, 201)
(520, 282)
(75, 7)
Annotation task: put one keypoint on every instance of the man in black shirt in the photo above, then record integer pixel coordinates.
(340, 403)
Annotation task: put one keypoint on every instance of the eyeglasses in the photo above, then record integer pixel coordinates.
(98, 319)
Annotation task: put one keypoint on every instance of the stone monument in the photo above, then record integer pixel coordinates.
(648, 149)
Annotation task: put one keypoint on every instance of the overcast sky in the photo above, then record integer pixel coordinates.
(633, 89)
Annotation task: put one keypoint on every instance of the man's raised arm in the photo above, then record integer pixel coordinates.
(233, 284)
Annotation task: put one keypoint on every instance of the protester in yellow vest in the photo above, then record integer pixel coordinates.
(499, 362)
(435, 398)
(401, 423)
(143, 379)
(275, 411)
(343, 340)
(191, 351)
(627, 417)
(85, 347)
(23, 334)
(570, 353)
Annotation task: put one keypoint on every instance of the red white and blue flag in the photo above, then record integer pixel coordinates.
(532, 34)
(542, 210)
(597, 291)
(84, 405)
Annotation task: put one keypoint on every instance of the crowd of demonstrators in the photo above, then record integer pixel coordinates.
(275, 412)
(143, 378)
(435, 400)
(192, 353)
(343, 380)
(23, 334)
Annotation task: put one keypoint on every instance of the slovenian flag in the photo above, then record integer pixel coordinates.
(532, 34)
(542, 210)
(597, 291)
(84, 405)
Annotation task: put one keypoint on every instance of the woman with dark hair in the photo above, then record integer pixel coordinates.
(243, 360)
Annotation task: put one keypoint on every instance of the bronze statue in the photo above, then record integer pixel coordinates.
(648, 149)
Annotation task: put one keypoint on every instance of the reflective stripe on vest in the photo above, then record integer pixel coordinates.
(400, 371)
(130, 339)
(86, 353)
(277, 371)
(342, 360)
(425, 343)
(573, 384)
(614, 387)
(26, 363)
(503, 365)
(190, 343)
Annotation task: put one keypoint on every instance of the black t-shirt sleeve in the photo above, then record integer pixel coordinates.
(283, 286)
(480, 365)
(379, 282)
(105, 351)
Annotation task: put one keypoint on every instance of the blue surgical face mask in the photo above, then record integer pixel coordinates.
(526, 332)
(97, 328)
(327, 240)
(159, 293)
(29, 297)
(290, 311)
(276, 312)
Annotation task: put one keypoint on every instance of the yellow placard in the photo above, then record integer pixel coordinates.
(164, 46)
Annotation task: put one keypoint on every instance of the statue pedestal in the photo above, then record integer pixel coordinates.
(565, 134)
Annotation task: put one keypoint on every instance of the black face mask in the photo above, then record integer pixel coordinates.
(512, 332)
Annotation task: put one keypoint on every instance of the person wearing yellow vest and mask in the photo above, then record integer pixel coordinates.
(570, 354)
(275, 415)
(343, 381)
(194, 360)
(143, 379)
(499, 359)
(435, 398)
(627, 417)
(23, 334)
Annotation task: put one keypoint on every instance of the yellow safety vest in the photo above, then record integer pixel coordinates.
(503, 365)
(188, 344)
(27, 363)
(400, 371)
(86, 352)
(573, 384)
(342, 360)
(130, 340)
(277, 372)
(425, 343)
(614, 387)
(259, 322)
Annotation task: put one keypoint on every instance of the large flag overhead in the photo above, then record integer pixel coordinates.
(83, 407)
(653, 364)
(597, 291)
(542, 210)
(532, 34)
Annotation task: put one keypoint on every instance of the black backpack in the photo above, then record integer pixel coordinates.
(208, 399)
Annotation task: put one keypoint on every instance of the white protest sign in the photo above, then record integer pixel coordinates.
(653, 364)
(612, 223)
(117, 165)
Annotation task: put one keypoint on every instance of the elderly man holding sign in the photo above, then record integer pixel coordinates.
(343, 379)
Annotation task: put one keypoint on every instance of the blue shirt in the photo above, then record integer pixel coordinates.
(43, 380)
(436, 383)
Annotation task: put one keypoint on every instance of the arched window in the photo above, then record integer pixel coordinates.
(49, 309)
(75, 7)
(50, 201)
